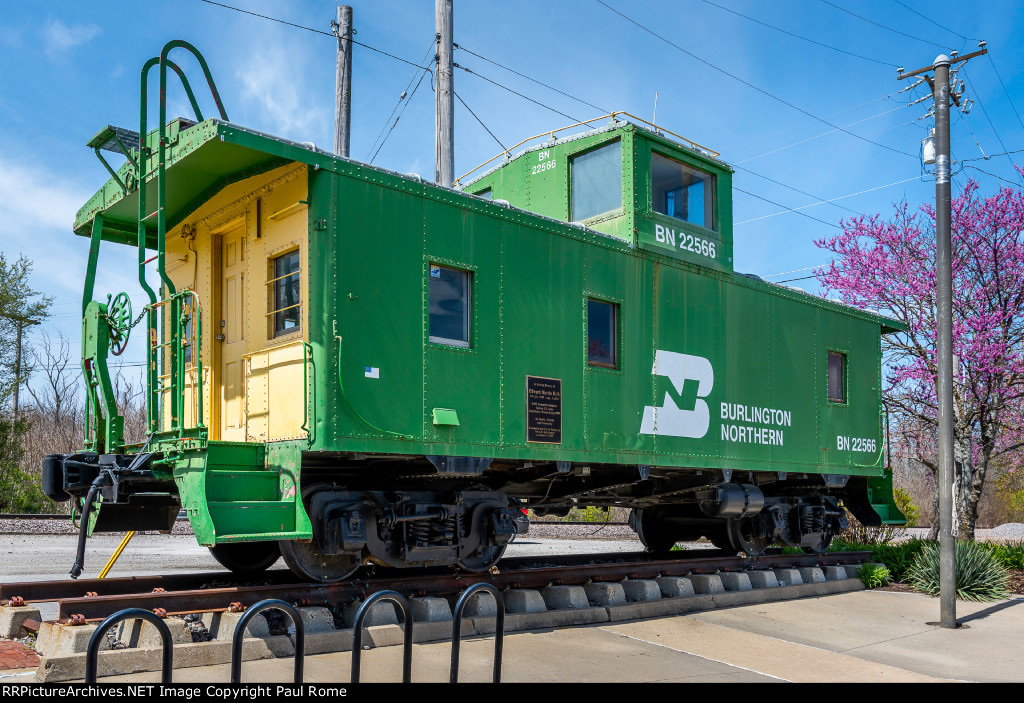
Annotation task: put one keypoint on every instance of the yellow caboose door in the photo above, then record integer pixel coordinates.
(232, 335)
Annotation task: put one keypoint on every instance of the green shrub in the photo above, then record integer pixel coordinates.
(906, 506)
(1009, 554)
(897, 557)
(588, 514)
(979, 575)
(874, 575)
(20, 492)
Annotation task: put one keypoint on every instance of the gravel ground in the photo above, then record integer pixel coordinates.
(64, 527)
(1010, 532)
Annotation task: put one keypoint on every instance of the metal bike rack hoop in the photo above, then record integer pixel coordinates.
(357, 632)
(499, 628)
(239, 635)
(92, 653)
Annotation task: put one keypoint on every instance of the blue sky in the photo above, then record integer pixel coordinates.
(70, 68)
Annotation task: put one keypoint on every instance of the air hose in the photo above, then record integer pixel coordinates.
(83, 526)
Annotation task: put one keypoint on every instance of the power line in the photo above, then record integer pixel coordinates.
(749, 84)
(1008, 98)
(525, 97)
(804, 214)
(1005, 180)
(929, 19)
(797, 190)
(783, 273)
(310, 29)
(395, 123)
(790, 280)
(895, 31)
(400, 99)
(534, 80)
(792, 34)
(991, 156)
(479, 120)
(818, 136)
(823, 202)
(977, 99)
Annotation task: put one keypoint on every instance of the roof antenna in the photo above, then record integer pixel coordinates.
(654, 118)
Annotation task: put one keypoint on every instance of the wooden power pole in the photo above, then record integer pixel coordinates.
(343, 91)
(444, 100)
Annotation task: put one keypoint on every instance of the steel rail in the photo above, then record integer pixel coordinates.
(523, 572)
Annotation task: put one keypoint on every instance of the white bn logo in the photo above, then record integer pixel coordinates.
(669, 419)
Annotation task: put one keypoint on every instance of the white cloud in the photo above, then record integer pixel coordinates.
(37, 210)
(270, 78)
(32, 198)
(60, 38)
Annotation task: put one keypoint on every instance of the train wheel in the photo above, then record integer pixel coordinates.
(654, 532)
(720, 538)
(307, 561)
(743, 537)
(482, 559)
(246, 558)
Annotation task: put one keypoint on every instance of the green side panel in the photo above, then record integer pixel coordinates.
(613, 398)
(460, 240)
(379, 312)
(750, 375)
(542, 331)
(786, 368)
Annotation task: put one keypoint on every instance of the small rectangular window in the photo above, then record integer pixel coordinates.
(601, 337)
(285, 303)
(597, 182)
(486, 194)
(448, 306)
(836, 377)
(682, 192)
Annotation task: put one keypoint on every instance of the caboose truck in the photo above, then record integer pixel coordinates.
(346, 365)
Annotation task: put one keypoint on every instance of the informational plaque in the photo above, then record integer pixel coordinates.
(543, 410)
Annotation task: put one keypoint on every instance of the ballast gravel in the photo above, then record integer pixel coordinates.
(1009, 532)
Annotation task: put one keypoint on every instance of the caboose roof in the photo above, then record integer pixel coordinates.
(206, 157)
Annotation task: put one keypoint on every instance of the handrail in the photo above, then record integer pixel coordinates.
(92, 652)
(307, 427)
(499, 629)
(176, 368)
(250, 613)
(194, 340)
(357, 632)
(551, 134)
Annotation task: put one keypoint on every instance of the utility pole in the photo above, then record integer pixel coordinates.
(444, 96)
(343, 81)
(944, 311)
(21, 322)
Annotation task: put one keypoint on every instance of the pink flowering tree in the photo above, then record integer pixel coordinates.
(889, 265)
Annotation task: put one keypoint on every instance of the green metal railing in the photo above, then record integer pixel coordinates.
(164, 358)
(176, 362)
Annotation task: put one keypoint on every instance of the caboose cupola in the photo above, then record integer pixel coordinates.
(666, 195)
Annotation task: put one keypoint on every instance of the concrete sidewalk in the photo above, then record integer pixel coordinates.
(863, 636)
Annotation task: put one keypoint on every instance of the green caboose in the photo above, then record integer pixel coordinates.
(348, 364)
